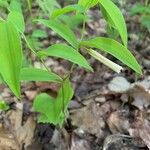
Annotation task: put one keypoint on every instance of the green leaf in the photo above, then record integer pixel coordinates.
(53, 110)
(116, 17)
(66, 52)
(17, 19)
(45, 105)
(73, 21)
(47, 6)
(63, 98)
(3, 3)
(15, 5)
(88, 3)
(140, 8)
(145, 21)
(1, 79)
(39, 34)
(105, 61)
(10, 55)
(3, 105)
(115, 49)
(61, 29)
(66, 9)
(33, 74)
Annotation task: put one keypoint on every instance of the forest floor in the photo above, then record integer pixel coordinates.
(109, 111)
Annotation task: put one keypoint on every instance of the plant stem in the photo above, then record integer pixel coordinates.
(73, 65)
(30, 8)
(83, 28)
(82, 36)
(34, 52)
(146, 2)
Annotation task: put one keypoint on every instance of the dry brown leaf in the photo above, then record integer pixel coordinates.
(7, 140)
(22, 133)
(79, 144)
(118, 123)
(141, 130)
(89, 119)
(31, 94)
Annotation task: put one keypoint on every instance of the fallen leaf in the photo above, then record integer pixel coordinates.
(7, 140)
(118, 123)
(89, 119)
(22, 133)
(31, 94)
(79, 144)
(141, 130)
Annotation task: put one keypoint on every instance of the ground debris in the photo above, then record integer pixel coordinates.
(23, 132)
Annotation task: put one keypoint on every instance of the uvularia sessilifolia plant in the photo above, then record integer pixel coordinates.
(54, 109)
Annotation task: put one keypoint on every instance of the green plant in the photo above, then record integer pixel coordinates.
(144, 11)
(3, 105)
(54, 109)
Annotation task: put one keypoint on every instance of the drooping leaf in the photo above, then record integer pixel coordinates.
(115, 16)
(117, 68)
(115, 49)
(66, 52)
(10, 55)
(61, 29)
(34, 74)
(17, 19)
(88, 3)
(66, 9)
(53, 110)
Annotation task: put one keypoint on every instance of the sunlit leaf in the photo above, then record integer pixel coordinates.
(3, 105)
(65, 10)
(115, 16)
(88, 3)
(33, 74)
(65, 52)
(53, 110)
(10, 55)
(115, 49)
(17, 19)
(61, 29)
(15, 5)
